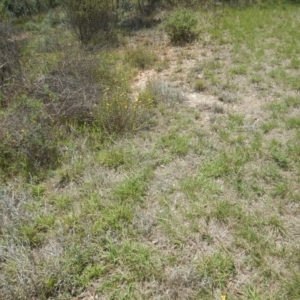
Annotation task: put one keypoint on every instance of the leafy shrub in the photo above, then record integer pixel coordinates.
(180, 26)
(88, 17)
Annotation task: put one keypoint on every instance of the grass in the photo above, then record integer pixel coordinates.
(148, 196)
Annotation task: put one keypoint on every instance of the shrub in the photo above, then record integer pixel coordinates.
(88, 17)
(180, 26)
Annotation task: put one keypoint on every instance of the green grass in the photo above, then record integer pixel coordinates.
(156, 199)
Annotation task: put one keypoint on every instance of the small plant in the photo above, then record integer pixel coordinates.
(180, 26)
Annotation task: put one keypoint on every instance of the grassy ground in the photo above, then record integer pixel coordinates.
(200, 201)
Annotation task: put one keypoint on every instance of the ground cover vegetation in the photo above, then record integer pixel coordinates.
(149, 150)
